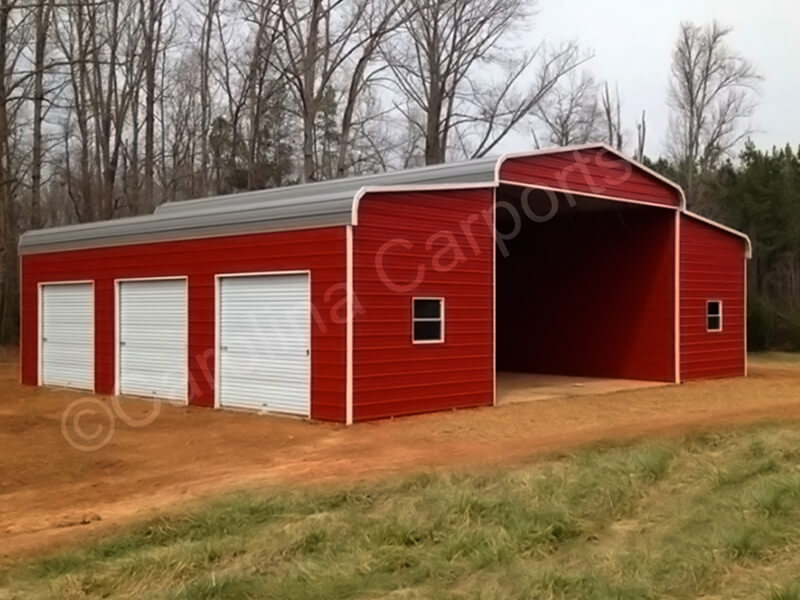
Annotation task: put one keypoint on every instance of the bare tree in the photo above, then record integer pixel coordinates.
(571, 112)
(262, 85)
(641, 137)
(314, 48)
(711, 93)
(152, 16)
(323, 41)
(15, 38)
(101, 43)
(43, 17)
(210, 10)
(380, 20)
(451, 64)
(181, 117)
(612, 112)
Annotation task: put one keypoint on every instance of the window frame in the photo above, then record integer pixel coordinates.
(718, 315)
(415, 319)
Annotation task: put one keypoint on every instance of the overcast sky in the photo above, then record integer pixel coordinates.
(632, 41)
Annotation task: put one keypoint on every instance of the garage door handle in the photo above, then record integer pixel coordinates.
(224, 348)
(308, 352)
(122, 343)
(44, 339)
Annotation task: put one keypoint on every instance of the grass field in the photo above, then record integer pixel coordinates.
(713, 515)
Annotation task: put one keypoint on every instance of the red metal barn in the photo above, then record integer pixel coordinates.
(390, 294)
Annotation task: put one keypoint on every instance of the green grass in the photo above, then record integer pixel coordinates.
(712, 514)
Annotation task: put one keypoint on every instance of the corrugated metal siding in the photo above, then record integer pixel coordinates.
(439, 245)
(153, 338)
(321, 251)
(591, 171)
(67, 334)
(712, 268)
(590, 294)
(265, 327)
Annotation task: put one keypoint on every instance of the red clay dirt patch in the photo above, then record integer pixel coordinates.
(52, 493)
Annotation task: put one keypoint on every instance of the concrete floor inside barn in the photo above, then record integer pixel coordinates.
(513, 388)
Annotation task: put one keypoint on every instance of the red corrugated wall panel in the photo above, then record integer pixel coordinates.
(592, 171)
(590, 294)
(423, 244)
(712, 268)
(322, 251)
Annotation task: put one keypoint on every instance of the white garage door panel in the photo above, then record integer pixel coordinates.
(153, 352)
(265, 324)
(68, 335)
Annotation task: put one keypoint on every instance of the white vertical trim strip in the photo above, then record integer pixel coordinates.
(349, 326)
(678, 297)
(744, 317)
(494, 292)
(22, 313)
(39, 335)
(217, 333)
(116, 337)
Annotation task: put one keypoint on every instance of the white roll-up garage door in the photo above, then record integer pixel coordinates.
(265, 343)
(67, 335)
(153, 338)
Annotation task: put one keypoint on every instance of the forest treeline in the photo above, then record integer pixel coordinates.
(110, 107)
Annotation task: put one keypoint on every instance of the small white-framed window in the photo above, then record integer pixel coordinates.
(714, 315)
(427, 320)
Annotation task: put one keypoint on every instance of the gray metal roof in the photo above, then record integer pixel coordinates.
(322, 204)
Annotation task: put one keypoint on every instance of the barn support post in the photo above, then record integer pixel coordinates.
(677, 296)
(349, 327)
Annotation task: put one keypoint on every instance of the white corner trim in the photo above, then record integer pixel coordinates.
(677, 297)
(744, 315)
(494, 297)
(349, 327)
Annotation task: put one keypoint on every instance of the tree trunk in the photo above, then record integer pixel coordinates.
(43, 12)
(205, 92)
(309, 92)
(150, 57)
(434, 153)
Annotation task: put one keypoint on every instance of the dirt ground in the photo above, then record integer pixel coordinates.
(52, 493)
(527, 387)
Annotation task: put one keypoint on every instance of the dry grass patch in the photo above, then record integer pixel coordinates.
(713, 514)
